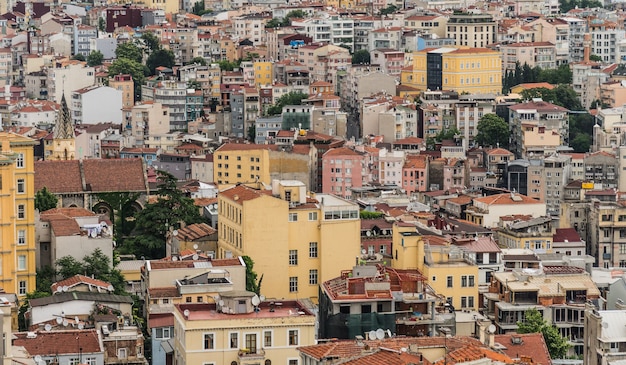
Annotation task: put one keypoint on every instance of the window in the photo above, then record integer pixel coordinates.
(313, 250)
(251, 342)
(470, 302)
(293, 337)
(19, 161)
(21, 237)
(449, 282)
(313, 277)
(22, 287)
(90, 361)
(21, 211)
(463, 281)
(312, 216)
(234, 340)
(463, 302)
(267, 339)
(293, 362)
(21, 186)
(21, 262)
(121, 353)
(293, 257)
(73, 361)
(293, 284)
(163, 333)
(293, 217)
(209, 341)
(471, 281)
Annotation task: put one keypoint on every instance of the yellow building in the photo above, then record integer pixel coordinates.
(235, 331)
(63, 144)
(448, 272)
(263, 73)
(295, 241)
(126, 85)
(17, 220)
(169, 6)
(532, 234)
(461, 69)
(251, 164)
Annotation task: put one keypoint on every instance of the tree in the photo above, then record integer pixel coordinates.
(299, 14)
(135, 69)
(251, 133)
(123, 213)
(96, 265)
(160, 57)
(492, 131)
(361, 57)
(364, 214)
(79, 57)
(534, 323)
(95, 58)
(198, 61)
(151, 42)
(226, 65)
(155, 222)
(251, 283)
(101, 24)
(291, 98)
(595, 58)
(275, 23)
(389, 10)
(198, 9)
(130, 51)
(45, 278)
(581, 143)
(450, 133)
(45, 200)
(68, 266)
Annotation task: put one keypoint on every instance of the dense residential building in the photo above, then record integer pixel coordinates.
(538, 127)
(472, 30)
(18, 236)
(302, 230)
(487, 210)
(342, 169)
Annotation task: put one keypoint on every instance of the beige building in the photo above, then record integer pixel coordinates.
(148, 119)
(613, 93)
(534, 54)
(239, 330)
(68, 76)
(473, 30)
(125, 84)
(487, 210)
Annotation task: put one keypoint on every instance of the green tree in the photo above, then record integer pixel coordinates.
(101, 24)
(361, 57)
(123, 213)
(154, 222)
(251, 133)
(492, 130)
(226, 65)
(291, 98)
(79, 57)
(151, 42)
(251, 276)
(198, 61)
(95, 58)
(135, 69)
(199, 9)
(298, 14)
(68, 266)
(96, 265)
(364, 214)
(275, 23)
(45, 200)
(561, 75)
(595, 58)
(534, 323)
(130, 51)
(45, 278)
(160, 57)
(581, 143)
(389, 10)
(450, 133)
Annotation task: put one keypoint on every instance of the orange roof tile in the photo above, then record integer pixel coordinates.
(81, 279)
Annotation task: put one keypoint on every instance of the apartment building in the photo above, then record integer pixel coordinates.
(126, 85)
(460, 69)
(472, 30)
(302, 230)
(526, 232)
(538, 127)
(171, 94)
(18, 238)
(342, 169)
(83, 34)
(86, 103)
(534, 54)
(605, 36)
(67, 76)
(486, 211)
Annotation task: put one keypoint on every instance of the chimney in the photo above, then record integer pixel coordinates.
(587, 47)
(492, 340)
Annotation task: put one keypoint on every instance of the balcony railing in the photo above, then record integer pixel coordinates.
(248, 354)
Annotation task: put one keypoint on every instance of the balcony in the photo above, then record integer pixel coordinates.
(248, 355)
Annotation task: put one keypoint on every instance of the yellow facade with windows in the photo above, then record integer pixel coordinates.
(206, 336)
(263, 73)
(443, 265)
(237, 163)
(17, 220)
(463, 69)
(295, 242)
(540, 241)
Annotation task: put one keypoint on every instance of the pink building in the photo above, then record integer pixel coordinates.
(415, 174)
(342, 168)
(453, 174)
(390, 61)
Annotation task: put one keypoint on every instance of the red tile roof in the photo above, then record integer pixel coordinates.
(241, 193)
(55, 343)
(169, 292)
(161, 320)
(506, 199)
(385, 356)
(566, 235)
(195, 231)
(81, 279)
(532, 345)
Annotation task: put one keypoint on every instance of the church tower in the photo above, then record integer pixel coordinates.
(63, 140)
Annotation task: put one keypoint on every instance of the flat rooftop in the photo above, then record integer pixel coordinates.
(208, 311)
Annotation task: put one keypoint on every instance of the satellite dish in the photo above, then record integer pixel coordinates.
(76, 319)
(175, 233)
(363, 251)
(47, 327)
(65, 323)
(256, 301)
(380, 334)
(186, 312)
(492, 328)
(65, 287)
(195, 256)
(221, 303)
(59, 289)
(368, 233)
(81, 326)
(372, 335)
(59, 320)
(110, 288)
(175, 258)
(262, 297)
(195, 246)
(38, 359)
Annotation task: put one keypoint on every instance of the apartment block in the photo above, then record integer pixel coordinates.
(472, 30)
